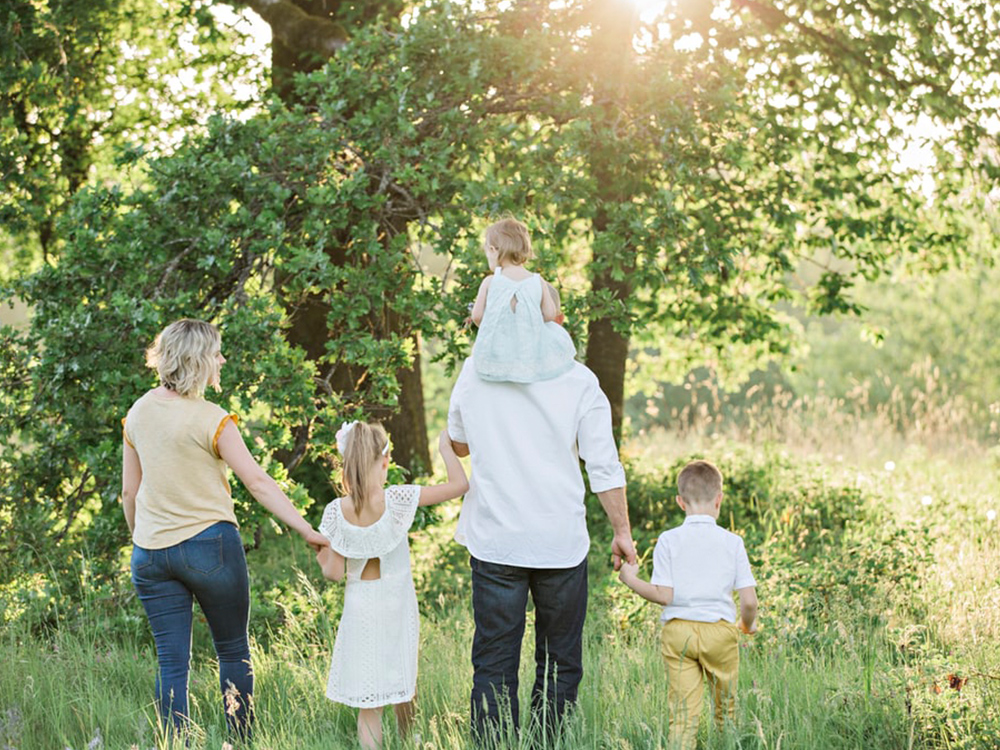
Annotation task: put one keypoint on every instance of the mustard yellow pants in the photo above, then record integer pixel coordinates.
(695, 652)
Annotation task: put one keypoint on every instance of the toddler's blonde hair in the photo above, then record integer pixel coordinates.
(185, 355)
(699, 483)
(365, 445)
(511, 240)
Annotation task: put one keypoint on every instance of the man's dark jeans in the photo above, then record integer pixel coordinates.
(212, 568)
(499, 599)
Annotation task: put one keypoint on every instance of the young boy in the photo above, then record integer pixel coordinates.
(696, 568)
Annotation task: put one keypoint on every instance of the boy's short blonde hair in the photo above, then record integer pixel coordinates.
(699, 483)
(185, 354)
(511, 240)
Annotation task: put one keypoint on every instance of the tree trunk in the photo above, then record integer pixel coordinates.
(607, 349)
(407, 422)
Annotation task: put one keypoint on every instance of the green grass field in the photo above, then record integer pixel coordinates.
(878, 568)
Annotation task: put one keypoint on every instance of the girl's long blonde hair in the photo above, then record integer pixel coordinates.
(186, 356)
(366, 444)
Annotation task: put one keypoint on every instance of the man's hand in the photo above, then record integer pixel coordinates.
(622, 546)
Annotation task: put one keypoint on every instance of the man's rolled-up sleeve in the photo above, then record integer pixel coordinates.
(596, 442)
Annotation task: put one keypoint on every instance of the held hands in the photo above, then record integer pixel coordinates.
(628, 572)
(622, 546)
(315, 540)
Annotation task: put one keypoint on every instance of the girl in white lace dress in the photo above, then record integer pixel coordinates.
(520, 339)
(375, 654)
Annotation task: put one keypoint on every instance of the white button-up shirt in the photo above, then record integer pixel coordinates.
(704, 564)
(525, 504)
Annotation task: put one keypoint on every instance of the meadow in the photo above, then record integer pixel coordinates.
(874, 545)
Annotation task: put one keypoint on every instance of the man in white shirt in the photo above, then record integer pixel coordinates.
(523, 521)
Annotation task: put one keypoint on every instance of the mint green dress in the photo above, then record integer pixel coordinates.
(516, 344)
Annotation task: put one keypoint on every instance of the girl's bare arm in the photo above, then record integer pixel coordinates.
(457, 484)
(333, 564)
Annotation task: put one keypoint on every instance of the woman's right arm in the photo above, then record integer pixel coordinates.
(262, 486)
(131, 478)
(457, 484)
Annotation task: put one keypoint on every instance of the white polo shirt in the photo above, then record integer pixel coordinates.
(704, 564)
(525, 504)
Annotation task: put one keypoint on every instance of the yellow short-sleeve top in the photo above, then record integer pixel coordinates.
(184, 487)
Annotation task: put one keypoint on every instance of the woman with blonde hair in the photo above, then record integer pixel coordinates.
(178, 506)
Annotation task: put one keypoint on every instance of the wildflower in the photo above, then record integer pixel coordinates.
(991, 515)
(927, 500)
(890, 465)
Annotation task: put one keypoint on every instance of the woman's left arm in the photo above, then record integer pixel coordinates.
(262, 486)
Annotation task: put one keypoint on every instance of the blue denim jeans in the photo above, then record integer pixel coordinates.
(212, 568)
(499, 598)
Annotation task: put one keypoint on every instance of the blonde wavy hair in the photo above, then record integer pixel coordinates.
(186, 356)
(511, 240)
(366, 443)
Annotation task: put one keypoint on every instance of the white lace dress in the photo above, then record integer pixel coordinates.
(375, 655)
(515, 344)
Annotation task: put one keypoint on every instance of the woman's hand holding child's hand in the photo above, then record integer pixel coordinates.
(315, 540)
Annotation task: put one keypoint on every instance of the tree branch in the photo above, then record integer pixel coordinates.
(296, 29)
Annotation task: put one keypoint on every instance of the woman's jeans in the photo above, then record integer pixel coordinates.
(210, 567)
(499, 600)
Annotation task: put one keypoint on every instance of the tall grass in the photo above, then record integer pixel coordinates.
(878, 562)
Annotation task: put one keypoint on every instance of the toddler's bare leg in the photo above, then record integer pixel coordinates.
(370, 728)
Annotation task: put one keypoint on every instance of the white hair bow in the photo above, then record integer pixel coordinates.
(345, 430)
(342, 433)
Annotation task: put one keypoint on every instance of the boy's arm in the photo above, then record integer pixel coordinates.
(748, 609)
(649, 591)
(333, 564)
(479, 307)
